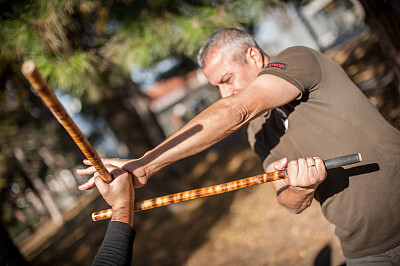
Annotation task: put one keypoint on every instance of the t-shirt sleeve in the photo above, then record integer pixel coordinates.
(297, 65)
(117, 246)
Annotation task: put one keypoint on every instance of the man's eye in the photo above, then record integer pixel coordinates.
(226, 80)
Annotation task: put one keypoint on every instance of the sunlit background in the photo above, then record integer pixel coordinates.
(126, 72)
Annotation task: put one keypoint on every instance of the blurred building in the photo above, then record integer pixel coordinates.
(178, 99)
(319, 24)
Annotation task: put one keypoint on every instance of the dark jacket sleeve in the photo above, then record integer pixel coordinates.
(117, 246)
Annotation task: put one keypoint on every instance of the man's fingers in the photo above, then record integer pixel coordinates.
(87, 162)
(139, 182)
(101, 185)
(280, 165)
(88, 185)
(91, 170)
(88, 171)
(319, 164)
(293, 168)
(114, 161)
(311, 165)
(115, 171)
(303, 166)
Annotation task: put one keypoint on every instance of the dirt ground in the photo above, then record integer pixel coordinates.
(246, 227)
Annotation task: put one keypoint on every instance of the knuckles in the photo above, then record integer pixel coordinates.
(301, 176)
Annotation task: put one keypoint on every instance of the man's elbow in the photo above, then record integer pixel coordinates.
(239, 114)
(291, 209)
(295, 211)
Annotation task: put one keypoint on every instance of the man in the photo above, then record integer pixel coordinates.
(300, 104)
(117, 246)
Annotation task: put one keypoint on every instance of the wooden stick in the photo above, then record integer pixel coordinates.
(30, 71)
(222, 188)
(197, 193)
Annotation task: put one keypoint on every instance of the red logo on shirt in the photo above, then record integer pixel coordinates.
(276, 65)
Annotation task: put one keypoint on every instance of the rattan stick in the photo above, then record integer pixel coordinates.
(30, 71)
(222, 188)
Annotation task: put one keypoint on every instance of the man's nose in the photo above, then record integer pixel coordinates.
(225, 91)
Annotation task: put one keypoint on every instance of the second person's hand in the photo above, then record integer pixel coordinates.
(133, 167)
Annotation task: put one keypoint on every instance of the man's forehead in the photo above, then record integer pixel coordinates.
(215, 55)
(218, 65)
(216, 71)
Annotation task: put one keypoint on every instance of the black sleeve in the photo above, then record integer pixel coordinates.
(117, 246)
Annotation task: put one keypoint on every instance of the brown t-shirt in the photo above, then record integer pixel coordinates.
(330, 118)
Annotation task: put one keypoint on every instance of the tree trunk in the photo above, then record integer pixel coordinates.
(40, 187)
(131, 121)
(384, 22)
(139, 103)
(58, 164)
(23, 218)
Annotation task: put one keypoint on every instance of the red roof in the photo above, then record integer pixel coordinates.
(164, 87)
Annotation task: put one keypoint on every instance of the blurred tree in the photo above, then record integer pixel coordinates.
(39, 186)
(88, 49)
(21, 133)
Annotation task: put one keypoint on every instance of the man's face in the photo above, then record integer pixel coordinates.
(228, 75)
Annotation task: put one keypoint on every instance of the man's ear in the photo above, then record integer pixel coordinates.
(253, 56)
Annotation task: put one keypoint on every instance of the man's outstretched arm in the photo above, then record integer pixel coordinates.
(209, 127)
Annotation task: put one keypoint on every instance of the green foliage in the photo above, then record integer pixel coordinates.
(88, 49)
(251, 11)
(84, 47)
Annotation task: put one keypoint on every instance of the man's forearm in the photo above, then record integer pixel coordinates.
(295, 200)
(209, 127)
(219, 120)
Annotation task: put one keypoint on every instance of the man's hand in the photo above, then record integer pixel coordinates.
(297, 191)
(119, 194)
(133, 167)
(304, 174)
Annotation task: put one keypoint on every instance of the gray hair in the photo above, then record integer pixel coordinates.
(235, 43)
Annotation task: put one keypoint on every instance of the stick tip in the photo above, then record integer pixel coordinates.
(359, 156)
(28, 67)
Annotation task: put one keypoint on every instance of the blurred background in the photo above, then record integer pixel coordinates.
(126, 72)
